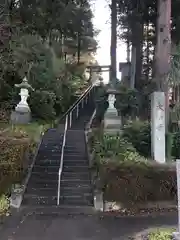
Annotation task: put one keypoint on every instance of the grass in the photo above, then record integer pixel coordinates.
(161, 234)
(32, 130)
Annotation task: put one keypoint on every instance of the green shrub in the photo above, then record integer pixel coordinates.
(161, 234)
(13, 151)
(139, 134)
(114, 148)
(126, 176)
(4, 204)
(127, 102)
(42, 104)
(169, 145)
(137, 182)
(176, 145)
(174, 118)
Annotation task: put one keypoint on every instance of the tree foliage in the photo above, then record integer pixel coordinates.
(143, 12)
(33, 37)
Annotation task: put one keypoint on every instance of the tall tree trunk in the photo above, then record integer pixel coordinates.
(62, 45)
(128, 58)
(133, 67)
(163, 48)
(78, 47)
(163, 45)
(113, 40)
(148, 60)
(147, 51)
(128, 47)
(139, 54)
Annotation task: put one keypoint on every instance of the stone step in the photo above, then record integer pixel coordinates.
(75, 183)
(76, 163)
(49, 151)
(52, 137)
(52, 142)
(55, 155)
(41, 157)
(75, 151)
(53, 162)
(74, 157)
(33, 200)
(43, 184)
(46, 169)
(73, 191)
(75, 176)
(77, 200)
(42, 191)
(44, 176)
(63, 209)
(67, 162)
(75, 169)
(75, 146)
(67, 156)
(52, 145)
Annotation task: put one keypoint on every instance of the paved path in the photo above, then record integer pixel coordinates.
(27, 225)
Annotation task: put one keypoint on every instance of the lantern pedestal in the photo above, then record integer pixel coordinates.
(20, 117)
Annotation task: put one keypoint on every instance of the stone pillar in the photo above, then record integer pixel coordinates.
(112, 122)
(158, 127)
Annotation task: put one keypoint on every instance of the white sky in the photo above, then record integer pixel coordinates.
(102, 22)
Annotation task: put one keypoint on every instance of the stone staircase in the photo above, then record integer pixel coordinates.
(76, 182)
(42, 185)
(75, 188)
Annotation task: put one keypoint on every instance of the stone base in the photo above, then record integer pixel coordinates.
(176, 236)
(113, 131)
(22, 108)
(112, 124)
(20, 117)
(16, 198)
(98, 201)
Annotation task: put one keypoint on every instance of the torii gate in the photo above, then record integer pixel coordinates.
(98, 69)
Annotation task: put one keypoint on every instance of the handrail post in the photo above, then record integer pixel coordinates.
(77, 111)
(70, 119)
(61, 160)
(82, 103)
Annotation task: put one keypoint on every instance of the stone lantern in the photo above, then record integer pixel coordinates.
(22, 113)
(112, 122)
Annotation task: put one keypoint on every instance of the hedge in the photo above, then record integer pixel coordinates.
(13, 151)
(131, 183)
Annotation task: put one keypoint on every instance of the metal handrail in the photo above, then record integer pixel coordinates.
(77, 102)
(70, 110)
(62, 158)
